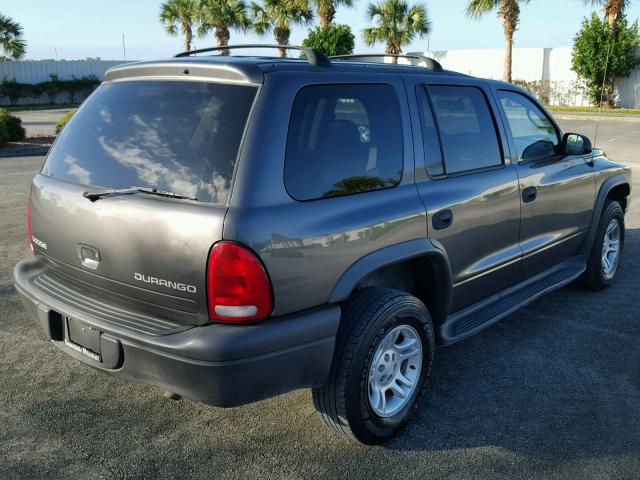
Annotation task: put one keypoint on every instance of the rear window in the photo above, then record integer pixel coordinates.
(181, 137)
(467, 131)
(343, 139)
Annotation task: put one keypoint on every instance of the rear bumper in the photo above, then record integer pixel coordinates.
(220, 364)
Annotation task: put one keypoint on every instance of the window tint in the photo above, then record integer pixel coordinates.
(467, 131)
(433, 155)
(343, 139)
(533, 133)
(181, 137)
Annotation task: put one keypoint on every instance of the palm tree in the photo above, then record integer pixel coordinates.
(613, 10)
(180, 13)
(221, 16)
(397, 24)
(11, 41)
(509, 12)
(326, 9)
(279, 15)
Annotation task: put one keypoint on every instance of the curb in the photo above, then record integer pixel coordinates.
(24, 152)
(596, 118)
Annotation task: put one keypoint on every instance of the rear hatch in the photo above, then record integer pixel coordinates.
(142, 252)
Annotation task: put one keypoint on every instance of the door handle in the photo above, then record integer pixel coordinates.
(529, 194)
(442, 219)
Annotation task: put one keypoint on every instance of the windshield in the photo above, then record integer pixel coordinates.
(181, 137)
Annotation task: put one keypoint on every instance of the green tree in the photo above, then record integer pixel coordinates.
(397, 23)
(613, 10)
(600, 56)
(52, 87)
(14, 90)
(278, 16)
(12, 125)
(221, 16)
(326, 9)
(331, 40)
(12, 42)
(509, 13)
(64, 120)
(180, 14)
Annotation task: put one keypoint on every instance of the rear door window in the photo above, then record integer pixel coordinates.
(467, 128)
(181, 137)
(343, 139)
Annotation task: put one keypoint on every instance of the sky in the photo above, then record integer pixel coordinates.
(76, 29)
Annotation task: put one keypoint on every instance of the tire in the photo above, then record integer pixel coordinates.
(373, 315)
(597, 277)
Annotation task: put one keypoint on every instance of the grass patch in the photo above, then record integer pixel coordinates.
(629, 111)
(20, 108)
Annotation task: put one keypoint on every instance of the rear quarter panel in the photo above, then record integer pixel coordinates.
(307, 246)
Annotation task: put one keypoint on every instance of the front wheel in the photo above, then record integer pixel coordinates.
(383, 358)
(604, 260)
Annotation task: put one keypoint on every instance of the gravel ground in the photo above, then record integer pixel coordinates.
(552, 391)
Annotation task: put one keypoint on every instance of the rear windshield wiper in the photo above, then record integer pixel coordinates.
(98, 193)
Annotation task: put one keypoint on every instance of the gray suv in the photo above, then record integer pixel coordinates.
(232, 228)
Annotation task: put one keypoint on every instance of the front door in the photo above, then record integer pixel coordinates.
(470, 188)
(558, 192)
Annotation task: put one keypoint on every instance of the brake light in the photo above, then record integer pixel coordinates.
(238, 289)
(29, 228)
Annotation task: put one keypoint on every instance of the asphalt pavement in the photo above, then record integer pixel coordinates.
(552, 391)
(41, 122)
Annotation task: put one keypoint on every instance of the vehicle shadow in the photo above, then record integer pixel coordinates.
(555, 383)
(558, 379)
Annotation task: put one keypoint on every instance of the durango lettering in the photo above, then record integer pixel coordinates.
(182, 287)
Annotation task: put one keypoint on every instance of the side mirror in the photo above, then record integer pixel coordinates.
(576, 144)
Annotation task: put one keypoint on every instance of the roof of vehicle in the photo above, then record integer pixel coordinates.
(250, 69)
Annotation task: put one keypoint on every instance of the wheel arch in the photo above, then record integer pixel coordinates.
(418, 267)
(616, 187)
(619, 193)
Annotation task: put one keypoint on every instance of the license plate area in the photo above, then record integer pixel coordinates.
(82, 338)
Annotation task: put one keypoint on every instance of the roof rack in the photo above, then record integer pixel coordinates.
(314, 57)
(429, 62)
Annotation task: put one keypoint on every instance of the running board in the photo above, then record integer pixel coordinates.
(476, 318)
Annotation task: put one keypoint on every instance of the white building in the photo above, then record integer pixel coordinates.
(530, 64)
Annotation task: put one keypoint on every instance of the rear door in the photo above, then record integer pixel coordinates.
(469, 187)
(558, 192)
(141, 251)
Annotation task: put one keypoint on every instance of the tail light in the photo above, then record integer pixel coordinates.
(29, 228)
(238, 289)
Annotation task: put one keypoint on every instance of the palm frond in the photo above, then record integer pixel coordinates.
(477, 8)
(12, 42)
(280, 14)
(396, 23)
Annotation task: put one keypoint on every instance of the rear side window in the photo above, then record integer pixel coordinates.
(467, 129)
(181, 137)
(343, 139)
(533, 133)
(432, 152)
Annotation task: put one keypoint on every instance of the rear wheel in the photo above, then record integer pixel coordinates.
(604, 260)
(383, 358)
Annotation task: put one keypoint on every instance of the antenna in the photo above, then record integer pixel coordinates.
(604, 80)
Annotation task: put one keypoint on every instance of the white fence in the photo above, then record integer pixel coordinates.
(37, 71)
(531, 64)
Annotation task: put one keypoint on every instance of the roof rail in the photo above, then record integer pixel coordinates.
(429, 62)
(314, 57)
